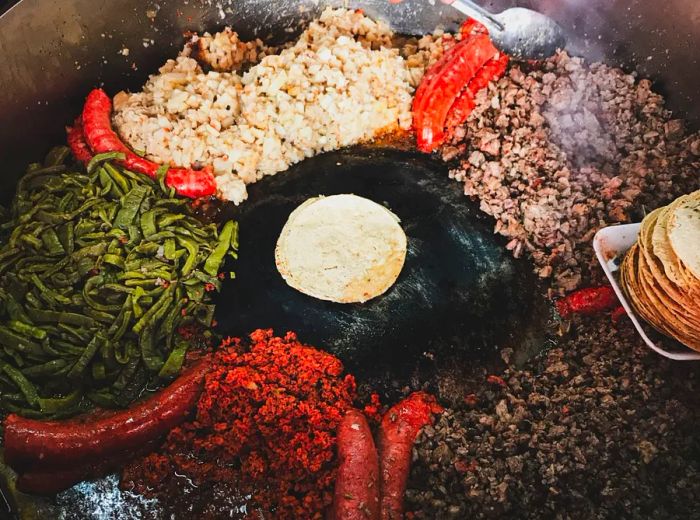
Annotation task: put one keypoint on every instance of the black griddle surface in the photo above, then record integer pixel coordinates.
(459, 290)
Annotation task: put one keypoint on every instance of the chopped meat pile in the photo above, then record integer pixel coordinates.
(225, 51)
(598, 427)
(263, 436)
(339, 84)
(555, 152)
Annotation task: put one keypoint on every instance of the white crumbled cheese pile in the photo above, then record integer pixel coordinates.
(338, 85)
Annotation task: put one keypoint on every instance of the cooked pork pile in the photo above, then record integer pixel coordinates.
(339, 84)
(556, 152)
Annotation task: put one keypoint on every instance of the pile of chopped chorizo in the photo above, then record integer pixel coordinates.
(262, 439)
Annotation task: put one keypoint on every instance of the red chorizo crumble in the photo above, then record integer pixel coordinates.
(265, 427)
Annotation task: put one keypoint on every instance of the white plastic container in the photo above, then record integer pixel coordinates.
(610, 245)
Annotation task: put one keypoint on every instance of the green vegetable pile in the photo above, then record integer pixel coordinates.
(98, 271)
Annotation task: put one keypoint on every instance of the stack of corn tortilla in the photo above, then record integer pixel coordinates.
(661, 272)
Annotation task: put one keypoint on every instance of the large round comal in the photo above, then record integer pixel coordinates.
(459, 289)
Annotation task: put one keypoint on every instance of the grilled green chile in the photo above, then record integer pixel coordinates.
(99, 268)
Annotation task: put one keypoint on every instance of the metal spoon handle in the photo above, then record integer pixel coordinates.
(479, 13)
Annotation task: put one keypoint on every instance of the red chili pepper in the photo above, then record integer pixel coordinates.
(101, 138)
(448, 77)
(588, 301)
(76, 141)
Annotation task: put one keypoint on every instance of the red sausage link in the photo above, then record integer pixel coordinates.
(456, 68)
(588, 301)
(397, 432)
(32, 444)
(472, 26)
(52, 481)
(424, 93)
(191, 183)
(356, 495)
(101, 138)
(420, 99)
(99, 135)
(76, 142)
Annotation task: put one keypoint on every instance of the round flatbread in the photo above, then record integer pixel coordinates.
(342, 248)
(662, 246)
(684, 233)
(666, 289)
(657, 282)
(670, 317)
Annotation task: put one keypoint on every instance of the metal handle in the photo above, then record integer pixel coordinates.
(479, 13)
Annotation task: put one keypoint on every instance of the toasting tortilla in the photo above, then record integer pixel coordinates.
(342, 248)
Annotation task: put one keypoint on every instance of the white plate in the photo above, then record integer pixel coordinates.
(610, 245)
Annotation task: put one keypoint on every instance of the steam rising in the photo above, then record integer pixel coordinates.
(572, 115)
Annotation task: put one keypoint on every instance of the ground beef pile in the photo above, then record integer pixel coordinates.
(599, 427)
(556, 152)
